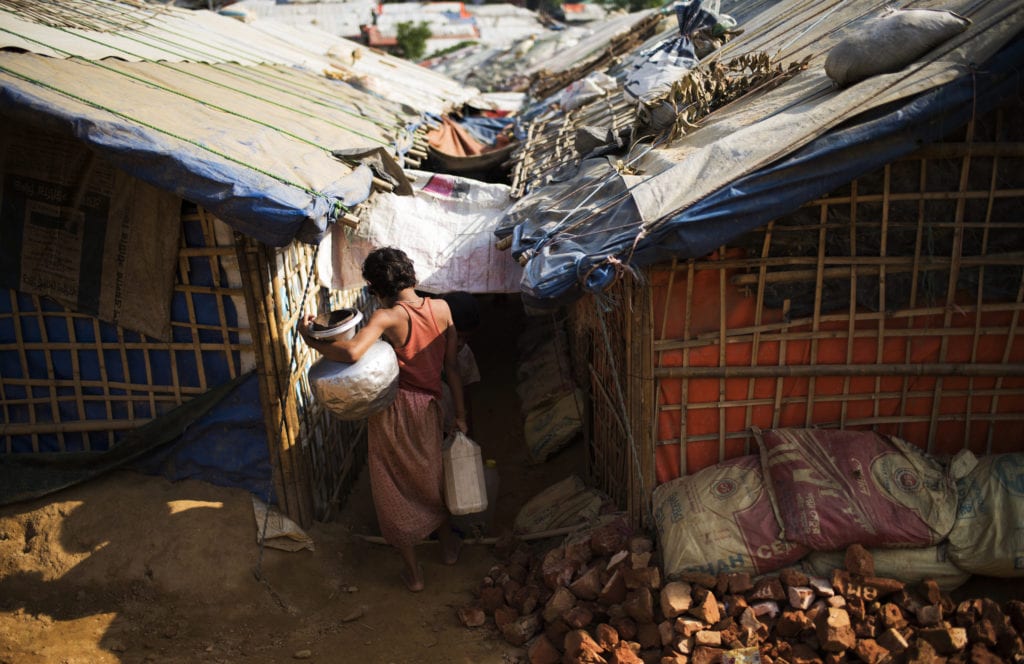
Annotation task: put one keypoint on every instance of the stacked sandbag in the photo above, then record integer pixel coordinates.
(988, 535)
(550, 401)
(908, 565)
(831, 489)
(720, 519)
(563, 504)
(890, 42)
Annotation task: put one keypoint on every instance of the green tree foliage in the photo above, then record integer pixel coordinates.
(412, 39)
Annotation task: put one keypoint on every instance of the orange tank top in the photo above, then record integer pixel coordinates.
(421, 359)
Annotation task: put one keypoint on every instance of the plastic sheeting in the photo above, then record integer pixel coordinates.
(237, 119)
(226, 445)
(28, 476)
(571, 255)
(446, 228)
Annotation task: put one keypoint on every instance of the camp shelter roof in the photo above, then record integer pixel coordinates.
(503, 23)
(766, 153)
(227, 116)
(604, 41)
(336, 18)
(386, 76)
(548, 60)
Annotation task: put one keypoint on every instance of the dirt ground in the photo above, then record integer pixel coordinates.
(134, 568)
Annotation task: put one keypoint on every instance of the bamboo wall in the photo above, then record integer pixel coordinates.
(235, 307)
(893, 304)
(74, 383)
(315, 456)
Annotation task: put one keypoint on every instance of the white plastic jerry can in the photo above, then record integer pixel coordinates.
(465, 485)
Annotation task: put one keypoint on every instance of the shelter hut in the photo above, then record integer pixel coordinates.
(167, 176)
(780, 251)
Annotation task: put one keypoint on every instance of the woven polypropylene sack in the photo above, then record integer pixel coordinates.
(907, 565)
(720, 520)
(988, 536)
(834, 488)
(890, 43)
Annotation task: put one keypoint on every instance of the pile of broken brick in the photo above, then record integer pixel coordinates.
(599, 597)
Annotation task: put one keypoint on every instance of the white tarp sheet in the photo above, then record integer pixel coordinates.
(446, 228)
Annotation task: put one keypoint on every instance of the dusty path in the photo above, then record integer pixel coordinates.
(133, 568)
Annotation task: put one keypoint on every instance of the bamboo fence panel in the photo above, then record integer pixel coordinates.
(74, 383)
(892, 304)
(316, 457)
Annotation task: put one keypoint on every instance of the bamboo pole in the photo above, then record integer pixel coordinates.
(938, 369)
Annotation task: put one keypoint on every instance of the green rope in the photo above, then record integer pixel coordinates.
(93, 104)
(201, 102)
(176, 49)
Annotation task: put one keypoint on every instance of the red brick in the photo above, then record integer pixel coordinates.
(645, 577)
(504, 615)
(588, 585)
(606, 635)
(522, 629)
(705, 655)
(624, 653)
(492, 598)
(675, 598)
(767, 588)
(541, 651)
(648, 635)
(945, 640)
(706, 609)
(578, 642)
(790, 576)
(834, 631)
(858, 561)
(870, 652)
(639, 605)
(472, 616)
(614, 591)
(625, 626)
(578, 617)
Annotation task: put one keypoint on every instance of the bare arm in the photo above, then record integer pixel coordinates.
(350, 350)
(453, 377)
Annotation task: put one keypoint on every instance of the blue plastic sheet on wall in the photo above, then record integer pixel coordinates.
(227, 446)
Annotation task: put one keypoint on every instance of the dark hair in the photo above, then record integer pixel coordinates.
(465, 312)
(388, 270)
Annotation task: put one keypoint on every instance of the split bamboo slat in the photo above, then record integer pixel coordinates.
(315, 457)
(79, 382)
(892, 304)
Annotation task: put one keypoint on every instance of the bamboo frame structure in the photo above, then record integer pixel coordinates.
(315, 457)
(237, 305)
(120, 379)
(892, 304)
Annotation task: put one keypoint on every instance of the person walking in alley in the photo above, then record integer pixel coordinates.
(404, 439)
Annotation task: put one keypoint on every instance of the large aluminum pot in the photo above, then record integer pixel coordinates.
(354, 390)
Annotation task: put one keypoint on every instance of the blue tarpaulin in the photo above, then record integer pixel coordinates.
(563, 268)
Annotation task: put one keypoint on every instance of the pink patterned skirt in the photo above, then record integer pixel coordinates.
(406, 476)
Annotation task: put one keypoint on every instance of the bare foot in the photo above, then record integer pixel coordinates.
(414, 582)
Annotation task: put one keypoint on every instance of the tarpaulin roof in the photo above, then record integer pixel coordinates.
(337, 18)
(224, 115)
(766, 153)
(391, 78)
